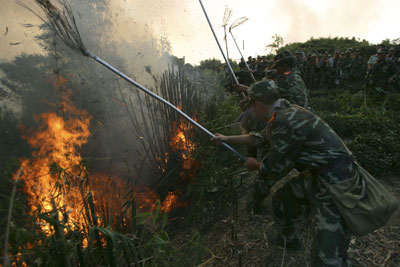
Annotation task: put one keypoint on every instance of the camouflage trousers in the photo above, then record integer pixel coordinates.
(330, 239)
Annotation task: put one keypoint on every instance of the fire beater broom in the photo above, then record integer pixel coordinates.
(226, 18)
(220, 48)
(236, 23)
(62, 21)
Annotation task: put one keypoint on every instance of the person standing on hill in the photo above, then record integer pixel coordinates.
(381, 77)
(290, 85)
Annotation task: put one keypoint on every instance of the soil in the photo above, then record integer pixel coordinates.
(250, 247)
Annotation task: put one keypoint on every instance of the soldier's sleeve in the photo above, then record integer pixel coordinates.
(258, 139)
(287, 139)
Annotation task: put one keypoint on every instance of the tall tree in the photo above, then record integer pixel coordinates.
(276, 43)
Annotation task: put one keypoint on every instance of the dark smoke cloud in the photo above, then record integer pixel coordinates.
(118, 37)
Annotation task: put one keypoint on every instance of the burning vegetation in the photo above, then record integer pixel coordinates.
(69, 199)
(56, 178)
(54, 172)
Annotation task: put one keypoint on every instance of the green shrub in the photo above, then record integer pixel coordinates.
(372, 135)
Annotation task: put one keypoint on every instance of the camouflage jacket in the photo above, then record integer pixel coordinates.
(291, 87)
(358, 68)
(345, 65)
(298, 139)
(380, 73)
(300, 66)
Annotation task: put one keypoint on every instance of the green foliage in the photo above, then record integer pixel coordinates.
(216, 65)
(331, 44)
(276, 43)
(211, 191)
(373, 136)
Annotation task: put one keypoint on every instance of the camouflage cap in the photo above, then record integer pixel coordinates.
(391, 49)
(284, 57)
(263, 90)
(349, 50)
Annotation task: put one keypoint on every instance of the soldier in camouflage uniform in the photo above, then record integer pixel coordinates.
(345, 67)
(308, 69)
(300, 64)
(391, 55)
(334, 70)
(290, 85)
(300, 139)
(247, 119)
(380, 78)
(324, 71)
(244, 76)
(359, 67)
(292, 88)
(262, 64)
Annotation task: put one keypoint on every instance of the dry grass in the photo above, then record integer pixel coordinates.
(381, 248)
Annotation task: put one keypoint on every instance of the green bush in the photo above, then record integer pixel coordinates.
(372, 135)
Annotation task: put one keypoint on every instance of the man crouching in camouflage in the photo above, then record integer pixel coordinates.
(300, 139)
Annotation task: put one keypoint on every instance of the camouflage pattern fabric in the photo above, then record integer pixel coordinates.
(308, 72)
(291, 87)
(358, 69)
(324, 73)
(300, 67)
(379, 75)
(300, 139)
(330, 237)
(345, 64)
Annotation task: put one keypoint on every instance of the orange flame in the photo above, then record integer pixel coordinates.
(54, 173)
(56, 141)
(170, 202)
(180, 143)
(147, 200)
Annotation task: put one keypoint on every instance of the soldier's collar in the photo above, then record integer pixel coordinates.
(274, 107)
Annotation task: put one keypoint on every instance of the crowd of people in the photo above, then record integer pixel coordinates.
(333, 70)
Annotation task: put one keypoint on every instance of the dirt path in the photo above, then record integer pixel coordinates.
(251, 248)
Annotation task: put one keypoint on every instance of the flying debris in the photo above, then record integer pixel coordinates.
(6, 31)
(28, 25)
(148, 69)
(15, 43)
